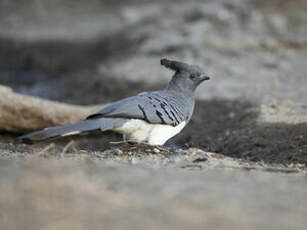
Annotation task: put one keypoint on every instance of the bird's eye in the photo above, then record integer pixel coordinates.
(194, 75)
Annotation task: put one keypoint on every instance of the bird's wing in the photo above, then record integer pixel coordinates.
(159, 107)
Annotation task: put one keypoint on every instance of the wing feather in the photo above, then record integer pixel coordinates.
(159, 107)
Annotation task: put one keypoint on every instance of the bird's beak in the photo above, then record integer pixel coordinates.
(204, 77)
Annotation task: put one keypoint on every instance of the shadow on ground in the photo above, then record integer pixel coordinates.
(233, 129)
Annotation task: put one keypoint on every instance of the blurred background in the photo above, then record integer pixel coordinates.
(96, 51)
(253, 49)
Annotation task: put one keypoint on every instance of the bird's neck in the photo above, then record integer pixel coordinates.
(188, 94)
(181, 84)
(179, 89)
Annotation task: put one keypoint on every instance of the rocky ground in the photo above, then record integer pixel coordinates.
(241, 162)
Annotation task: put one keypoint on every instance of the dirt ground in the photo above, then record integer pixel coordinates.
(240, 163)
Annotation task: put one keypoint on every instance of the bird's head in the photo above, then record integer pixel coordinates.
(186, 78)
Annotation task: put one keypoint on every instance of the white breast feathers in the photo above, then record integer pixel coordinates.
(154, 134)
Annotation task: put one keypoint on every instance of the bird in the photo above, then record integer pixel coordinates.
(149, 117)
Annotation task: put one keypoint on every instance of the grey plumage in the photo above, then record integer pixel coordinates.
(142, 117)
(103, 124)
(160, 107)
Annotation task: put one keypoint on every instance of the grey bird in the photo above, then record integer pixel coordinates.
(149, 117)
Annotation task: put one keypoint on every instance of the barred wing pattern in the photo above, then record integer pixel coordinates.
(159, 107)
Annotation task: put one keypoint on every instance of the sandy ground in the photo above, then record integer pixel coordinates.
(240, 163)
(86, 194)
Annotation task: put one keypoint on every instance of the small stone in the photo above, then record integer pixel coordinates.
(134, 161)
(156, 150)
(118, 152)
(231, 115)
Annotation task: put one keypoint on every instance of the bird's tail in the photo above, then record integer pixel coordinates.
(102, 124)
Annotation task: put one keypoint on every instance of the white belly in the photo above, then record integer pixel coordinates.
(154, 134)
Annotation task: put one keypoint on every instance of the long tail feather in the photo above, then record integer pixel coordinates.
(72, 129)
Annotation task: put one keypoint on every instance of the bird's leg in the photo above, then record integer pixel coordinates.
(125, 141)
(132, 142)
(124, 138)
